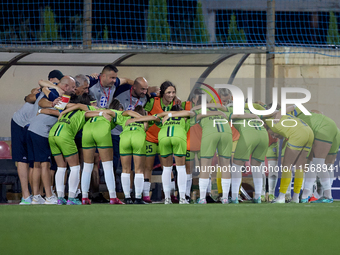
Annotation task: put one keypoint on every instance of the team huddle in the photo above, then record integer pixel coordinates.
(118, 119)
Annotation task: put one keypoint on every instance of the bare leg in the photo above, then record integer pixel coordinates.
(36, 177)
(23, 176)
(95, 176)
(46, 178)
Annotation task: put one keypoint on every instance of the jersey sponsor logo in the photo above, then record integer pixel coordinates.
(130, 107)
(103, 101)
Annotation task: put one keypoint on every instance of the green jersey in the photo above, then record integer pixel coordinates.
(70, 123)
(314, 121)
(213, 124)
(135, 126)
(243, 125)
(174, 127)
(114, 122)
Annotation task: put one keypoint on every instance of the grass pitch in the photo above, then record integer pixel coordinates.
(170, 229)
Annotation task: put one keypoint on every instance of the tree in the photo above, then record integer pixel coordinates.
(50, 27)
(235, 35)
(76, 27)
(201, 34)
(158, 27)
(333, 32)
(106, 34)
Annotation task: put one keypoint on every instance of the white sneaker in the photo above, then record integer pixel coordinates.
(295, 200)
(183, 201)
(167, 201)
(51, 200)
(38, 200)
(278, 201)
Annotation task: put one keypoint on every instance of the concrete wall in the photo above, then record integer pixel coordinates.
(317, 73)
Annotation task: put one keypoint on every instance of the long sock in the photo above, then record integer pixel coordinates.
(225, 187)
(236, 179)
(285, 180)
(125, 178)
(146, 187)
(218, 181)
(264, 183)
(209, 186)
(189, 183)
(86, 179)
(331, 173)
(272, 176)
(257, 179)
(308, 184)
(324, 177)
(59, 181)
(298, 179)
(172, 186)
(166, 181)
(181, 180)
(109, 178)
(73, 181)
(139, 182)
(203, 186)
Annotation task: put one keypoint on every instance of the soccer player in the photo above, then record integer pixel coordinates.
(64, 149)
(330, 159)
(215, 135)
(272, 157)
(172, 139)
(157, 105)
(132, 144)
(130, 97)
(300, 140)
(97, 134)
(253, 142)
(325, 132)
(194, 137)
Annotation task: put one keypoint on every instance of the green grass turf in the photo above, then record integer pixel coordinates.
(170, 229)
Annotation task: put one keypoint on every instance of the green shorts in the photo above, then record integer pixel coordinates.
(151, 149)
(252, 142)
(132, 143)
(273, 151)
(172, 145)
(62, 145)
(324, 128)
(191, 155)
(223, 142)
(97, 134)
(326, 131)
(335, 145)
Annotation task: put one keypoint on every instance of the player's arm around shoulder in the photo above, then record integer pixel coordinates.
(126, 81)
(49, 112)
(142, 119)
